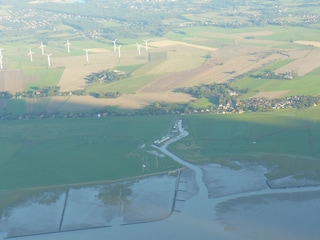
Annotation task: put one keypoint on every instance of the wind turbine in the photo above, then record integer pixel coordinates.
(114, 45)
(87, 54)
(1, 66)
(30, 54)
(146, 43)
(138, 47)
(119, 52)
(49, 63)
(1, 49)
(42, 48)
(68, 44)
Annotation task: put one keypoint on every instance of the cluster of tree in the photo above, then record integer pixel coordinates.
(106, 76)
(216, 93)
(46, 91)
(269, 74)
(5, 94)
(106, 95)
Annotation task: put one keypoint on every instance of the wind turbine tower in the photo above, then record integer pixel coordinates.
(49, 62)
(30, 54)
(114, 45)
(87, 54)
(68, 44)
(139, 48)
(42, 48)
(119, 52)
(146, 43)
(1, 66)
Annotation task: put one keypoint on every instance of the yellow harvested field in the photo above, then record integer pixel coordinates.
(76, 67)
(273, 94)
(306, 62)
(178, 58)
(309, 43)
(98, 50)
(167, 43)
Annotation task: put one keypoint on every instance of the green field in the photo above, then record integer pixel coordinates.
(45, 77)
(42, 153)
(286, 141)
(68, 151)
(16, 106)
(129, 85)
(305, 85)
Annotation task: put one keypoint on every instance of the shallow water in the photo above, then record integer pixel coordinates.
(274, 216)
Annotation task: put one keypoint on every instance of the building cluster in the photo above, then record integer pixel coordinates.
(28, 19)
(36, 19)
(257, 104)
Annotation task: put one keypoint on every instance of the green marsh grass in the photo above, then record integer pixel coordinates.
(285, 140)
(42, 153)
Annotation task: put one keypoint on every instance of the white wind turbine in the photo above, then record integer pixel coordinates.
(119, 51)
(42, 48)
(114, 45)
(139, 48)
(68, 44)
(30, 54)
(87, 54)
(1, 66)
(49, 62)
(146, 43)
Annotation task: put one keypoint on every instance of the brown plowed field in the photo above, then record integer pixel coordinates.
(306, 62)
(225, 64)
(273, 94)
(12, 81)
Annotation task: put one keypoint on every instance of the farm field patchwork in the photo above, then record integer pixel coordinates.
(185, 58)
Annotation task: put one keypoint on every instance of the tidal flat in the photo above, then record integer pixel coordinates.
(236, 204)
